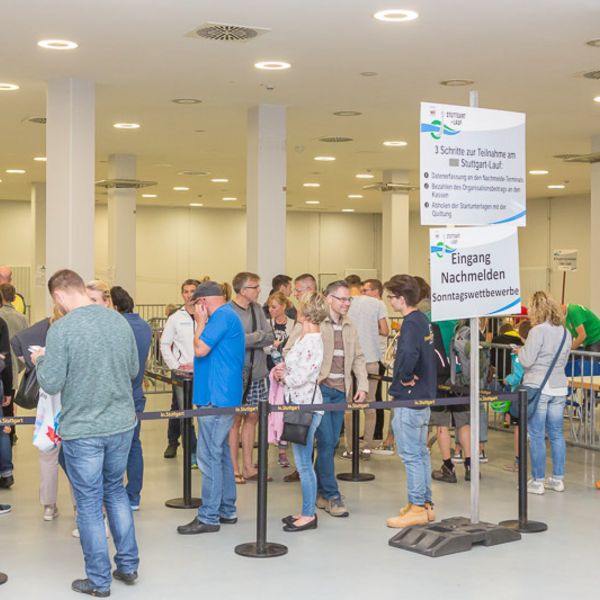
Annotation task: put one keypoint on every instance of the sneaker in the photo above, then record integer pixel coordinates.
(468, 474)
(135, 507)
(50, 512)
(336, 508)
(444, 474)
(365, 453)
(347, 454)
(85, 586)
(556, 485)
(483, 459)
(322, 503)
(535, 486)
(383, 450)
(5, 508)
(416, 515)
(457, 457)
(126, 578)
(171, 451)
(7, 482)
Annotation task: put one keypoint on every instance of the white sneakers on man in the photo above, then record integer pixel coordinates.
(556, 485)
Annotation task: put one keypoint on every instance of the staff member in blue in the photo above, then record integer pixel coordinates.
(414, 378)
(219, 347)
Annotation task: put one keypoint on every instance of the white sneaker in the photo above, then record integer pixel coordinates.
(457, 457)
(50, 512)
(556, 485)
(365, 453)
(535, 486)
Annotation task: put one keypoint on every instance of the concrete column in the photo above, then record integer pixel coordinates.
(39, 291)
(121, 224)
(594, 228)
(265, 192)
(395, 227)
(70, 149)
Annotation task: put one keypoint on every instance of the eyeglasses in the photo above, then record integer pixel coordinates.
(392, 297)
(342, 300)
(251, 287)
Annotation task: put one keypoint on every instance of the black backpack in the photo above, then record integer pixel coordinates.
(441, 360)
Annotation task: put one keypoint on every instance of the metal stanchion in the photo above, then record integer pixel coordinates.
(355, 476)
(187, 501)
(261, 548)
(522, 524)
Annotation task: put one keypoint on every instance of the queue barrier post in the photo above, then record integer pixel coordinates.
(187, 501)
(523, 524)
(355, 475)
(261, 548)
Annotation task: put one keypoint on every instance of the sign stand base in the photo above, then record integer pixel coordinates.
(450, 536)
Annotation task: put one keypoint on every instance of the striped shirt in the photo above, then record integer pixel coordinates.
(335, 378)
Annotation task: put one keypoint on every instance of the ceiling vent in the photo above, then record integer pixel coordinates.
(227, 33)
(388, 186)
(194, 173)
(335, 139)
(592, 158)
(36, 120)
(124, 184)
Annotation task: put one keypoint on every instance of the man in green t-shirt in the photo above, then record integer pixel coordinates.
(584, 326)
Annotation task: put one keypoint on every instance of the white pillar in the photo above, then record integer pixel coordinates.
(594, 228)
(70, 149)
(395, 227)
(265, 192)
(121, 224)
(39, 291)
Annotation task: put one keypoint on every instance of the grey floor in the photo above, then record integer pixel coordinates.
(344, 558)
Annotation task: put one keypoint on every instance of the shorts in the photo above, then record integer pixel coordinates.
(446, 416)
(258, 392)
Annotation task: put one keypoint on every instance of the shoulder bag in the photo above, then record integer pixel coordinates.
(297, 423)
(28, 392)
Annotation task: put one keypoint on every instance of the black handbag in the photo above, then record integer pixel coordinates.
(28, 394)
(296, 424)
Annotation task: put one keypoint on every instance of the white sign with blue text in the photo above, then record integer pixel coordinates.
(472, 166)
(474, 272)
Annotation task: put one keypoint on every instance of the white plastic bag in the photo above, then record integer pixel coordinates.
(45, 433)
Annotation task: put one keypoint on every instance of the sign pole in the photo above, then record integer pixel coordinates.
(562, 298)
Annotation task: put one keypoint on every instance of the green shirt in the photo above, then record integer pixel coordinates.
(91, 359)
(580, 315)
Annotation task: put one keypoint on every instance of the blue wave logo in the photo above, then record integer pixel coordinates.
(436, 130)
(442, 248)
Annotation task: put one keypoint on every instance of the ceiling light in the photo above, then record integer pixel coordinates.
(396, 15)
(196, 204)
(556, 187)
(8, 87)
(220, 180)
(57, 44)
(186, 101)
(355, 196)
(181, 189)
(272, 65)
(347, 113)
(395, 143)
(594, 43)
(325, 158)
(229, 199)
(126, 125)
(149, 195)
(597, 99)
(347, 210)
(364, 176)
(16, 171)
(313, 185)
(538, 172)
(312, 202)
(40, 158)
(0, 180)
(457, 82)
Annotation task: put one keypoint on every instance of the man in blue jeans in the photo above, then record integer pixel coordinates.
(91, 359)
(414, 378)
(219, 348)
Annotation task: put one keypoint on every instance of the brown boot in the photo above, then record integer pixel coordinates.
(405, 509)
(416, 515)
(430, 511)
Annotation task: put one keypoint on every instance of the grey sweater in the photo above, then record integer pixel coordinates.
(91, 358)
(538, 352)
(257, 340)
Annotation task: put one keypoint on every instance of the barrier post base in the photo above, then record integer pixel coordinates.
(182, 503)
(527, 527)
(451, 536)
(358, 477)
(266, 550)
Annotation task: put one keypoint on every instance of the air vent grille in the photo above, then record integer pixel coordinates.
(225, 32)
(592, 158)
(124, 184)
(36, 120)
(335, 139)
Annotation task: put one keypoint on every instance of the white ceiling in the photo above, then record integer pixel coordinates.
(523, 56)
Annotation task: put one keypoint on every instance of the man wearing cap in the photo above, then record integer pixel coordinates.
(219, 349)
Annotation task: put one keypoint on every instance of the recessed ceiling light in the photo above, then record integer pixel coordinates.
(179, 188)
(126, 125)
(312, 202)
(594, 43)
(396, 15)
(395, 143)
(597, 99)
(457, 82)
(325, 158)
(556, 187)
(272, 65)
(369, 74)
(149, 195)
(0, 180)
(186, 101)
(355, 196)
(57, 44)
(347, 113)
(364, 176)
(8, 87)
(40, 158)
(347, 210)
(196, 204)
(313, 185)
(220, 180)
(229, 199)
(539, 172)
(16, 171)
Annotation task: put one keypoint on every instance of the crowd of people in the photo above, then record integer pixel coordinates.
(319, 349)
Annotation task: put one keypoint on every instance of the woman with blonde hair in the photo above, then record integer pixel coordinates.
(543, 358)
(99, 292)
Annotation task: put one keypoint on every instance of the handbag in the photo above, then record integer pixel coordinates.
(296, 424)
(534, 393)
(28, 393)
(45, 434)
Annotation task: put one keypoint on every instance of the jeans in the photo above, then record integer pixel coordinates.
(175, 425)
(6, 464)
(328, 437)
(135, 464)
(410, 431)
(214, 462)
(304, 466)
(96, 467)
(548, 415)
